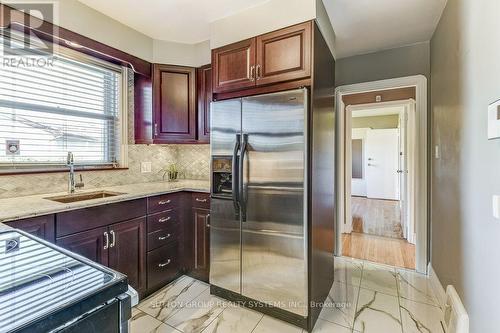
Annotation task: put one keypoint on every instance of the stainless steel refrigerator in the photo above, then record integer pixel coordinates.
(259, 206)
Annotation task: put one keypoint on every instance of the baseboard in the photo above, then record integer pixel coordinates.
(437, 286)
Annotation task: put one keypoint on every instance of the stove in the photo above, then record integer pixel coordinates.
(45, 288)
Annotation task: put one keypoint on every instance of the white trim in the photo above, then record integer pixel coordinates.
(124, 108)
(421, 188)
(437, 287)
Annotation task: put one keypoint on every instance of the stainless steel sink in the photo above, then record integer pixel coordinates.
(84, 196)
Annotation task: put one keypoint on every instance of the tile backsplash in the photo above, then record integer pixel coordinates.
(193, 162)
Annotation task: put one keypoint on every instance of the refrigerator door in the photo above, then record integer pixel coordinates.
(273, 200)
(225, 230)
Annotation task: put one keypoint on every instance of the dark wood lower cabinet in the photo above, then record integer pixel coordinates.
(164, 264)
(92, 244)
(201, 219)
(42, 227)
(127, 251)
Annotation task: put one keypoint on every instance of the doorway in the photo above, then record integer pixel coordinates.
(383, 172)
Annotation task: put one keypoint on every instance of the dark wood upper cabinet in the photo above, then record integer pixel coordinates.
(276, 57)
(284, 55)
(174, 104)
(234, 66)
(127, 251)
(42, 227)
(204, 92)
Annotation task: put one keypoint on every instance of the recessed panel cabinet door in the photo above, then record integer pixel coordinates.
(202, 242)
(204, 87)
(127, 251)
(174, 108)
(234, 66)
(92, 244)
(284, 55)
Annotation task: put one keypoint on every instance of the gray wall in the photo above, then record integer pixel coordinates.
(465, 58)
(389, 64)
(376, 122)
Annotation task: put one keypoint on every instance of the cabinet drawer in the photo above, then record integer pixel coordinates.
(164, 202)
(161, 221)
(163, 265)
(162, 237)
(201, 200)
(42, 227)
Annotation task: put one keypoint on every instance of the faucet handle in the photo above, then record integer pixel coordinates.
(70, 159)
(81, 184)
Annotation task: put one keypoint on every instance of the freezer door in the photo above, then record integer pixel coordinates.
(225, 230)
(274, 260)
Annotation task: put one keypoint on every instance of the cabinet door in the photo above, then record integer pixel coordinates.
(234, 66)
(92, 244)
(174, 108)
(127, 251)
(201, 242)
(284, 55)
(42, 227)
(204, 88)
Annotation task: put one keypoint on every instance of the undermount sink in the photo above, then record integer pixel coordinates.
(84, 196)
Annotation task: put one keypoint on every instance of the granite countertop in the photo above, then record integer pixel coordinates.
(35, 205)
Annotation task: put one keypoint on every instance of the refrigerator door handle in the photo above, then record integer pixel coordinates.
(235, 177)
(243, 203)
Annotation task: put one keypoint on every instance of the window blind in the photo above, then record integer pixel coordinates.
(69, 105)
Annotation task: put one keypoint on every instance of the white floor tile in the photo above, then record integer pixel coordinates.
(141, 322)
(377, 313)
(271, 325)
(197, 314)
(323, 326)
(419, 317)
(168, 300)
(340, 307)
(348, 270)
(416, 287)
(234, 319)
(379, 278)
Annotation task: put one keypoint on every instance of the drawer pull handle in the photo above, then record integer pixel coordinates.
(201, 200)
(164, 219)
(164, 202)
(106, 237)
(164, 237)
(165, 264)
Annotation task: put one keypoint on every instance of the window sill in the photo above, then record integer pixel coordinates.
(63, 170)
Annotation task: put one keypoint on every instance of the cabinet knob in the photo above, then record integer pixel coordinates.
(165, 264)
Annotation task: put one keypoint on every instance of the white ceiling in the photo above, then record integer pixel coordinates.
(365, 26)
(383, 111)
(183, 21)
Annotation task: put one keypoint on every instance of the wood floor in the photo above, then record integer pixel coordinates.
(383, 250)
(376, 217)
(377, 234)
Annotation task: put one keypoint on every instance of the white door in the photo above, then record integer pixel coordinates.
(403, 169)
(382, 160)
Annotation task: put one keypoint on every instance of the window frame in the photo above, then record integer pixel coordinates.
(121, 138)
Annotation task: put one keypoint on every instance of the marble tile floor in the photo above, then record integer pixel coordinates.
(364, 298)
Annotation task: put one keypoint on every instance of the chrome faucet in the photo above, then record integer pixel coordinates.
(72, 185)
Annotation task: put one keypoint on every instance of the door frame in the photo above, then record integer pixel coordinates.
(421, 166)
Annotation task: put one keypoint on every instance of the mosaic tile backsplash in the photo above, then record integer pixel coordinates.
(193, 162)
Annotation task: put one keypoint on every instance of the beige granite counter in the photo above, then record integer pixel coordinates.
(35, 205)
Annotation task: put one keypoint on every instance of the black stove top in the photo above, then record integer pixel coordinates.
(37, 280)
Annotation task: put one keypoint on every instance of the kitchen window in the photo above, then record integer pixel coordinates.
(71, 103)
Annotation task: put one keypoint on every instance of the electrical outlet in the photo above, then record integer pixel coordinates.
(496, 207)
(145, 167)
(437, 153)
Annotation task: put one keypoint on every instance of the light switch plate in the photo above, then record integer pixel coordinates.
(494, 120)
(496, 207)
(145, 167)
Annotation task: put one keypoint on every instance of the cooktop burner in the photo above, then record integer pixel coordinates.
(36, 280)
